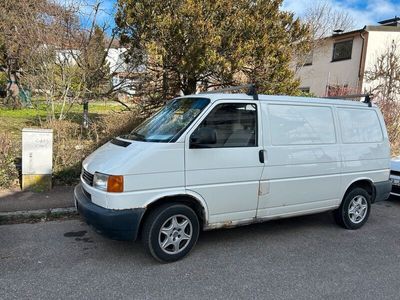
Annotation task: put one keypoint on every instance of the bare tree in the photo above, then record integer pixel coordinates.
(384, 80)
(62, 53)
(90, 53)
(323, 19)
(25, 26)
(384, 75)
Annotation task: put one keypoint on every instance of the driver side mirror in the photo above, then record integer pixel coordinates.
(203, 137)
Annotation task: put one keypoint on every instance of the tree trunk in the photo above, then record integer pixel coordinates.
(190, 86)
(13, 90)
(164, 84)
(85, 113)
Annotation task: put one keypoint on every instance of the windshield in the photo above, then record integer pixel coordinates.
(170, 122)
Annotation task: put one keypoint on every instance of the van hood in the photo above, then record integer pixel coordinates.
(136, 158)
(111, 158)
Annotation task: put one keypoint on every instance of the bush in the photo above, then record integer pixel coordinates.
(72, 143)
(8, 153)
(69, 148)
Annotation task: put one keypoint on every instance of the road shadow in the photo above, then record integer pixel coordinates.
(316, 228)
(211, 241)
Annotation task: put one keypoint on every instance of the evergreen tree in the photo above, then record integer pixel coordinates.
(186, 45)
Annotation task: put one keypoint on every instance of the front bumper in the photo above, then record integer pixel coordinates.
(395, 185)
(382, 190)
(116, 224)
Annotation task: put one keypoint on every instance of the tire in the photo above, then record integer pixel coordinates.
(354, 211)
(170, 232)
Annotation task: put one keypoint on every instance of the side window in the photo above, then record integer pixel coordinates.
(360, 126)
(301, 125)
(227, 125)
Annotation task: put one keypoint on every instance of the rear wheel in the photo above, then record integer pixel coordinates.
(170, 232)
(354, 210)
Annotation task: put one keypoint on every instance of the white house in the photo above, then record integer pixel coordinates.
(120, 71)
(116, 61)
(67, 56)
(340, 61)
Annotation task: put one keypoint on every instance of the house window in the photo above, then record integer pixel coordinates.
(304, 89)
(308, 59)
(342, 50)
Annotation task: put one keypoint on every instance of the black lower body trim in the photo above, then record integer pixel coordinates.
(382, 190)
(116, 224)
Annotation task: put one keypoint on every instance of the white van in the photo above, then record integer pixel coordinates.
(217, 160)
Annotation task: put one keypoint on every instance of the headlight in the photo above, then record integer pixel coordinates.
(100, 181)
(109, 183)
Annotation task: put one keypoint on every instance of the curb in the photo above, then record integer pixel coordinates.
(25, 216)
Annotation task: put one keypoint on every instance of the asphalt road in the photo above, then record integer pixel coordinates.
(302, 258)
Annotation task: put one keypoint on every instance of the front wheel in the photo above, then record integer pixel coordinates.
(170, 232)
(354, 210)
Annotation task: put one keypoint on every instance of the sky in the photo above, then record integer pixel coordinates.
(364, 12)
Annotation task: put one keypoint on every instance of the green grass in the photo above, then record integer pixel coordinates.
(14, 120)
(40, 109)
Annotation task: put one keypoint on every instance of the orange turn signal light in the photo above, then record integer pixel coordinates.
(115, 184)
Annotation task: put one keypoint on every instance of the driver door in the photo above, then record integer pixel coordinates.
(223, 166)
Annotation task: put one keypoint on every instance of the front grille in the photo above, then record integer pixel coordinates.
(88, 196)
(396, 189)
(396, 173)
(87, 177)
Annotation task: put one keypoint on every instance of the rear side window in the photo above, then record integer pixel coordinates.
(301, 125)
(360, 126)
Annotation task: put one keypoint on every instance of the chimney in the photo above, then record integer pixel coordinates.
(337, 32)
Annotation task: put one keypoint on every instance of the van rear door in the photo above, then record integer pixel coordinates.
(365, 145)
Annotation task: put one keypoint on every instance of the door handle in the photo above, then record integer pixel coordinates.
(261, 156)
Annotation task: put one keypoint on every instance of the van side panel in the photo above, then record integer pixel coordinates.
(302, 169)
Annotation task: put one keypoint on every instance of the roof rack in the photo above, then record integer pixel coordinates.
(367, 98)
(251, 90)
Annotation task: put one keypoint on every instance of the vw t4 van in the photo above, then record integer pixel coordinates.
(216, 160)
